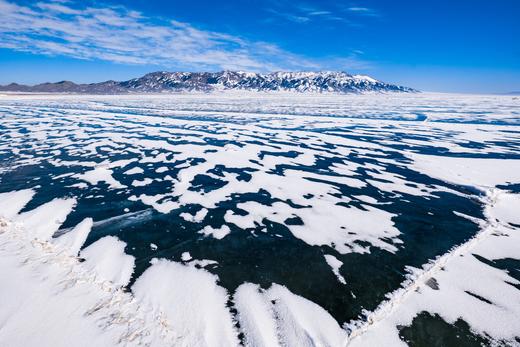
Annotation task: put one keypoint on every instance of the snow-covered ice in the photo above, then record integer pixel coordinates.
(257, 219)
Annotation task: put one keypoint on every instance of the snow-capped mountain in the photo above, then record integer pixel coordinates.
(161, 82)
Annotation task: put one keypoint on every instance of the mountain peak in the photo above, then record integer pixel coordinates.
(165, 81)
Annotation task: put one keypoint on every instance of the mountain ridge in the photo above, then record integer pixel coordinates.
(170, 82)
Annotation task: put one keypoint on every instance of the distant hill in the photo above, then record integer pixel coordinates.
(165, 82)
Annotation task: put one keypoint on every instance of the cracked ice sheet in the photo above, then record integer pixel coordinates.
(496, 317)
(466, 273)
(122, 133)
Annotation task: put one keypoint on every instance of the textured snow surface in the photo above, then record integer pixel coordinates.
(64, 302)
(330, 172)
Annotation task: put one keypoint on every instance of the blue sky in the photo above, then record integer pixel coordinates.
(452, 46)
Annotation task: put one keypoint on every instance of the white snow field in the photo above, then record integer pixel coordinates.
(89, 186)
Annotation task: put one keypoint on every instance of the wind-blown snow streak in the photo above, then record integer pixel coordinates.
(107, 258)
(192, 302)
(12, 202)
(277, 317)
(72, 241)
(39, 221)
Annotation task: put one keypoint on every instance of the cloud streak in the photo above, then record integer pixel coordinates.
(120, 35)
(298, 13)
(363, 11)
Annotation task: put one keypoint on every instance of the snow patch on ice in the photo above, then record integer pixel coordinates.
(108, 259)
(196, 218)
(191, 300)
(45, 220)
(277, 317)
(335, 265)
(134, 171)
(477, 172)
(141, 183)
(100, 174)
(218, 233)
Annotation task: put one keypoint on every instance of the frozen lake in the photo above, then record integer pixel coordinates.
(260, 219)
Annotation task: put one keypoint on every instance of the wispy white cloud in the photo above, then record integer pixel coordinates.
(289, 16)
(303, 13)
(318, 13)
(297, 12)
(365, 11)
(118, 34)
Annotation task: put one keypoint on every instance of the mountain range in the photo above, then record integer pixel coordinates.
(167, 82)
